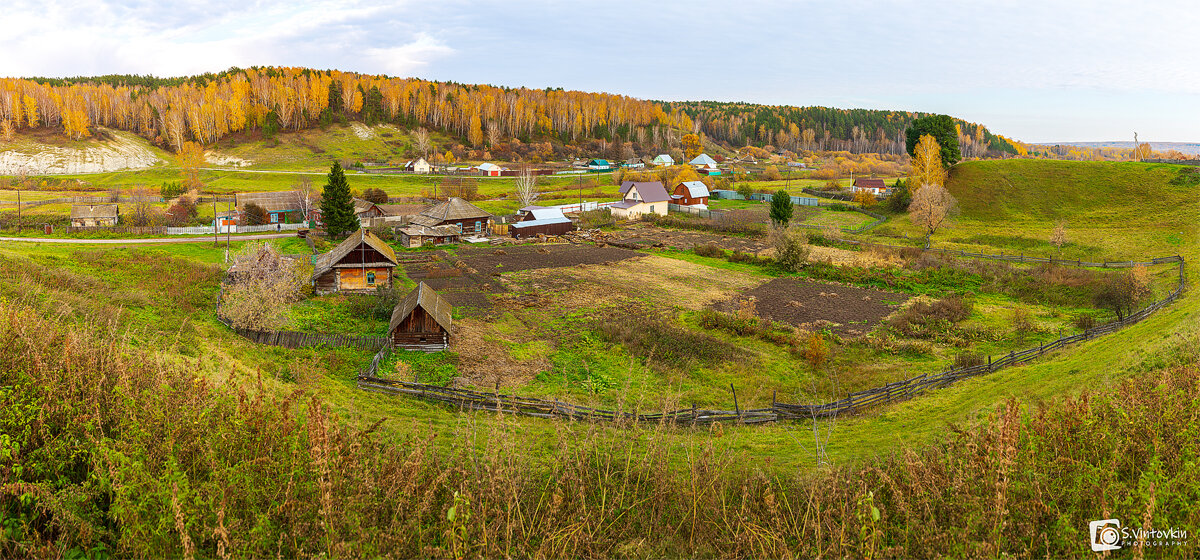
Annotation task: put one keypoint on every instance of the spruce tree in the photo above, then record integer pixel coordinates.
(337, 210)
(781, 208)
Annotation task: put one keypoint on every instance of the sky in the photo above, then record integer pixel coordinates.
(1040, 71)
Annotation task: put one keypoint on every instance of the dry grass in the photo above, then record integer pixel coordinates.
(654, 278)
(195, 468)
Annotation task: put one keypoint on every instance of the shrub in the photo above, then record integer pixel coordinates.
(1022, 320)
(968, 359)
(817, 351)
(1084, 321)
(375, 195)
(709, 250)
(255, 215)
(745, 190)
(791, 249)
(925, 319)
(663, 342)
(739, 257)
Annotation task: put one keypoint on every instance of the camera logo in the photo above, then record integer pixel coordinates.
(1106, 534)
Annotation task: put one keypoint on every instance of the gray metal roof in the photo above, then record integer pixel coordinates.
(696, 189)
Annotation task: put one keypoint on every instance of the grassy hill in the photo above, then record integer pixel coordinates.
(1112, 210)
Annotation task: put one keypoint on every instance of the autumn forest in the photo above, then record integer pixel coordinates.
(208, 107)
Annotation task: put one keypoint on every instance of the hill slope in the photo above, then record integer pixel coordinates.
(1112, 210)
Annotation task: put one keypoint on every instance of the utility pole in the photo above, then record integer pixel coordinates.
(227, 232)
(216, 227)
(18, 207)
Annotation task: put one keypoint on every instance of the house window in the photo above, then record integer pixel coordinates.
(371, 278)
(651, 207)
(274, 217)
(477, 226)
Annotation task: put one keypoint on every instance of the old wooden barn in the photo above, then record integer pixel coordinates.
(540, 220)
(421, 321)
(361, 263)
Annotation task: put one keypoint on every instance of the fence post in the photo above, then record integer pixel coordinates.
(736, 410)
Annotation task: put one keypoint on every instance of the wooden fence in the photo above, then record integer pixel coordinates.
(293, 339)
(855, 402)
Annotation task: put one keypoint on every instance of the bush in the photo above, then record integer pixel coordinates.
(375, 195)
(1084, 321)
(171, 190)
(900, 199)
(255, 215)
(709, 250)
(663, 342)
(928, 319)
(791, 249)
(1022, 320)
(739, 257)
(817, 351)
(968, 359)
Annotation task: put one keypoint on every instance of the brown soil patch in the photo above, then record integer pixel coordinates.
(815, 305)
(485, 362)
(467, 277)
(645, 235)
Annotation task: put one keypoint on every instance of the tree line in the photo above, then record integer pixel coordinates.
(825, 128)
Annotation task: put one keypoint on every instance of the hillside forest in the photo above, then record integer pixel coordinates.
(209, 107)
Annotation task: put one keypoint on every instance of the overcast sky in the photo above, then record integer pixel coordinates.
(1037, 71)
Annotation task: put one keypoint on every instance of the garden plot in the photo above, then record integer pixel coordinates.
(466, 277)
(812, 305)
(651, 236)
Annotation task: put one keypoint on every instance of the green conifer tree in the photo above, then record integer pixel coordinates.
(781, 208)
(337, 209)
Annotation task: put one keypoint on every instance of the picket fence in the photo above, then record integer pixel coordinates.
(466, 399)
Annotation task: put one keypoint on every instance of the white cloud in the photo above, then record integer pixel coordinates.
(89, 37)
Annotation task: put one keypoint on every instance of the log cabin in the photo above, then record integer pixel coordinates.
(359, 264)
(421, 321)
(470, 219)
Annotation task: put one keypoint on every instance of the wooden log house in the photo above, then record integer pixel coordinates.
(359, 264)
(421, 321)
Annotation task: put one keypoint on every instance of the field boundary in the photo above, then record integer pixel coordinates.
(852, 403)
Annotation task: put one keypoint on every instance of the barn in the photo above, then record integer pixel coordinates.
(421, 321)
(283, 207)
(540, 220)
(359, 264)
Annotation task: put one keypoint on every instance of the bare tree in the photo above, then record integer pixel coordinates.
(493, 133)
(422, 141)
(261, 284)
(932, 206)
(1058, 237)
(526, 187)
(305, 196)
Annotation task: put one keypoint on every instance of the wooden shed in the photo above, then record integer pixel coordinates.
(95, 215)
(421, 321)
(359, 264)
(540, 220)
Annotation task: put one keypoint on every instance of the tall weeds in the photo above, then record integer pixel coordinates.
(105, 448)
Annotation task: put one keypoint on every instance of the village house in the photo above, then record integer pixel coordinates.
(421, 321)
(95, 215)
(414, 236)
(690, 193)
(359, 264)
(702, 161)
(599, 165)
(633, 163)
(873, 186)
(540, 220)
(282, 206)
(418, 165)
(469, 219)
(490, 169)
(638, 198)
(366, 211)
(663, 160)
